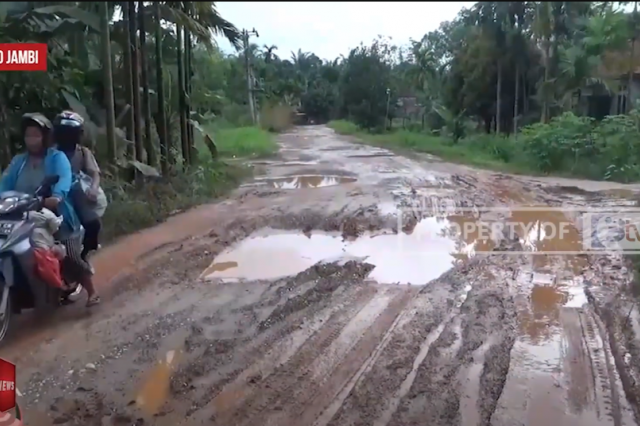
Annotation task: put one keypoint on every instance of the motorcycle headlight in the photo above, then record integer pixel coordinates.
(8, 204)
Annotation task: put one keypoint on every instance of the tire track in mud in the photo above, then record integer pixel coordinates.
(485, 318)
(214, 365)
(277, 343)
(619, 409)
(321, 391)
(364, 401)
(619, 323)
(253, 400)
(374, 393)
(581, 387)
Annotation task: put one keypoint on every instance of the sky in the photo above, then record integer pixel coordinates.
(330, 29)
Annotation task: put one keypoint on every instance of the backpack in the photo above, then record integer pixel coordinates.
(87, 210)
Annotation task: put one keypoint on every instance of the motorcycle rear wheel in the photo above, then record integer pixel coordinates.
(5, 320)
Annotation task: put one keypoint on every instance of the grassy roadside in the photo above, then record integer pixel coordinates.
(136, 206)
(474, 151)
(249, 142)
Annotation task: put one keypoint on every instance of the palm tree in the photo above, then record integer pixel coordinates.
(108, 78)
(267, 53)
(144, 75)
(161, 121)
(135, 79)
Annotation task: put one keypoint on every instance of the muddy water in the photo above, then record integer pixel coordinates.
(300, 182)
(415, 258)
(155, 388)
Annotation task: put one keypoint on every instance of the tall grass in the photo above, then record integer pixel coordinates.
(485, 151)
(243, 142)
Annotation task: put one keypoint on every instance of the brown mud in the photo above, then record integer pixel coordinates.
(305, 298)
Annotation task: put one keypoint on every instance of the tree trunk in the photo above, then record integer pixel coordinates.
(146, 103)
(161, 121)
(515, 103)
(499, 98)
(135, 80)
(525, 92)
(247, 66)
(545, 102)
(108, 82)
(181, 99)
(130, 123)
(188, 8)
(629, 105)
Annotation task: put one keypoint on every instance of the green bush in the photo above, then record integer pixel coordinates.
(567, 145)
(344, 127)
(560, 144)
(607, 150)
(244, 142)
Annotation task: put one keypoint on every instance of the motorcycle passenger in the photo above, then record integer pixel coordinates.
(68, 132)
(26, 172)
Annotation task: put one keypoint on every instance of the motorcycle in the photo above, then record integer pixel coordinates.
(20, 287)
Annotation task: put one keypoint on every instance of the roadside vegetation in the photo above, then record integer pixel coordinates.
(159, 133)
(530, 87)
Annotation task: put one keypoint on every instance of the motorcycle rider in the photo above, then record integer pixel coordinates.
(68, 132)
(26, 172)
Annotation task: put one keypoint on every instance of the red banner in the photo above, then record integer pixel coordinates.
(23, 57)
(7, 385)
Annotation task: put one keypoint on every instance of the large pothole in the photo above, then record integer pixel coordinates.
(305, 181)
(415, 258)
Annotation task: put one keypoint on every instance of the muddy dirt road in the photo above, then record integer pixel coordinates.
(313, 314)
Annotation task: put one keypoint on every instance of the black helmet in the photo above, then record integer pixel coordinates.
(69, 119)
(68, 128)
(38, 119)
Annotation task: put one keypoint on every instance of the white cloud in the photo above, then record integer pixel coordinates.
(330, 29)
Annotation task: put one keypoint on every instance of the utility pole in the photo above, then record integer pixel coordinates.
(386, 118)
(249, 74)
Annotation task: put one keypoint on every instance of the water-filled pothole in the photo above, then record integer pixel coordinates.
(415, 258)
(308, 181)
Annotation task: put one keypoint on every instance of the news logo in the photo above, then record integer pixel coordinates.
(23, 56)
(617, 231)
(7, 385)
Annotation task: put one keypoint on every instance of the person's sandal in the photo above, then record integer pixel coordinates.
(93, 301)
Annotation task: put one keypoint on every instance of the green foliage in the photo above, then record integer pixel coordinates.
(607, 150)
(244, 142)
(136, 206)
(344, 127)
(560, 143)
(567, 145)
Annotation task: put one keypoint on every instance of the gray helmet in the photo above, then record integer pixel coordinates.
(39, 119)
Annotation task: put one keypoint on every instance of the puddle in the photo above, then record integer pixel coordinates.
(275, 254)
(415, 258)
(372, 155)
(155, 388)
(296, 163)
(540, 320)
(219, 267)
(311, 181)
(551, 235)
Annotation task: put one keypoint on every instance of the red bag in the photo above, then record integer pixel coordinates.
(47, 267)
